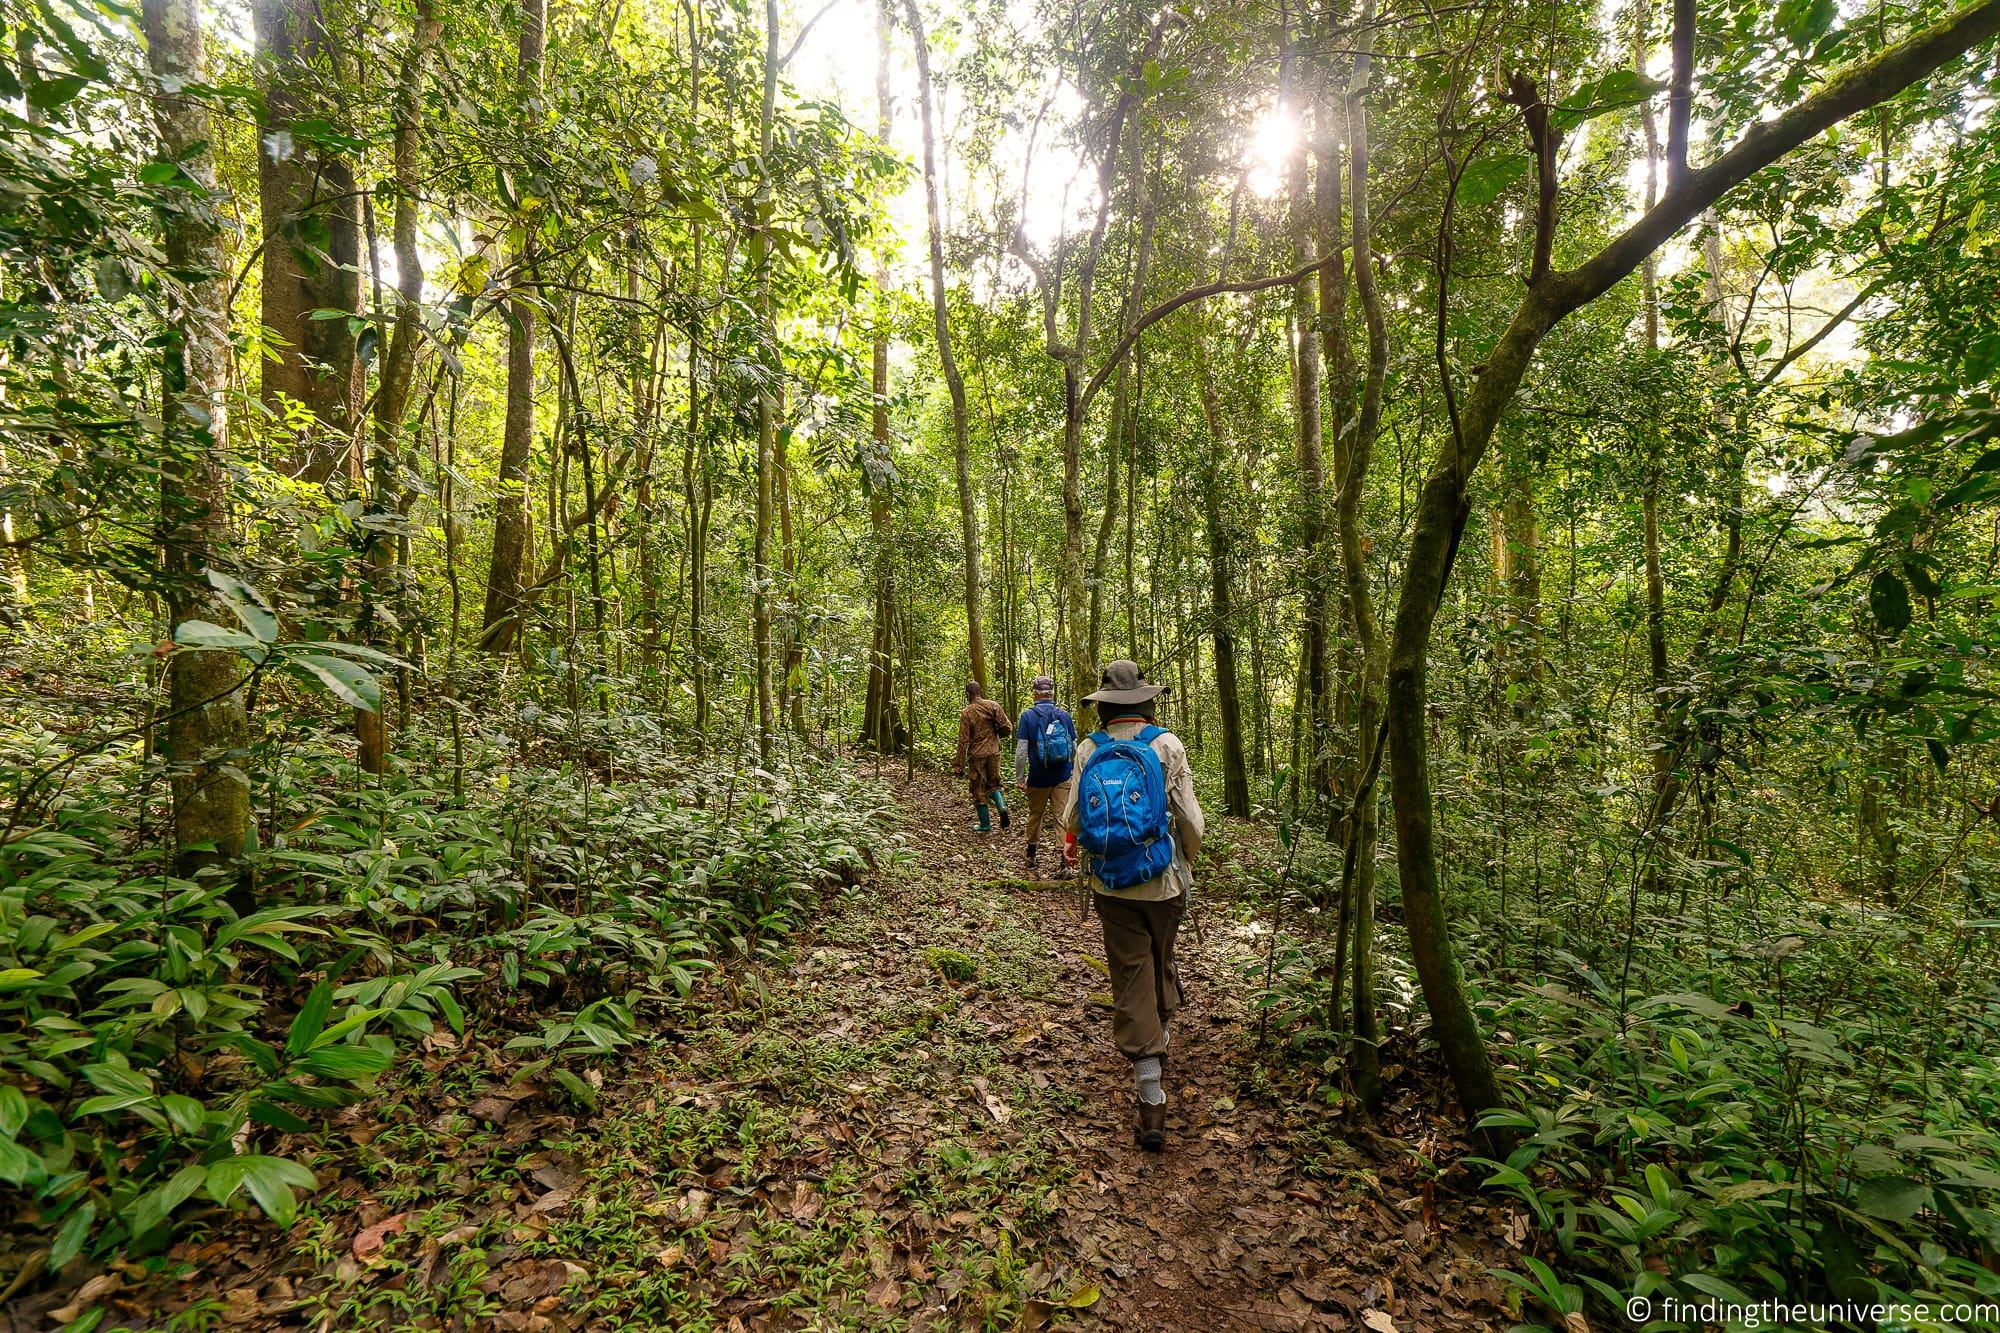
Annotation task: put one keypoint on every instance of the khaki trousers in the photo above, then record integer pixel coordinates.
(1145, 986)
(1043, 805)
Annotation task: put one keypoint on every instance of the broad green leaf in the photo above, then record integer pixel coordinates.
(1891, 1198)
(1804, 22)
(310, 1021)
(1613, 92)
(346, 1062)
(49, 94)
(344, 680)
(69, 1241)
(1487, 178)
(185, 1113)
(247, 605)
(202, 634)
(18, 1166)
(269, 1180)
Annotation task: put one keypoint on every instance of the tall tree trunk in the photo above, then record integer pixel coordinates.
(312, 238)
(1354, 458)
(1314, 642)
(968, 513)
(1219, 475)
(767, 420)
(1117, 437)
(1665, 789)
(1132, 439)
(1072, 357)
(384, 576)
(878, 468)
(1521, 533)
(511, 521)
(697, 489)
(208, 729)
(794, 684)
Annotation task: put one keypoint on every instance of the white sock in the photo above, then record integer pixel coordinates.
(1147, 1072)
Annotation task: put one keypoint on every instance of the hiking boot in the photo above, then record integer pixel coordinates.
(1065, 871)
(1028, 867)
(1152, 1131)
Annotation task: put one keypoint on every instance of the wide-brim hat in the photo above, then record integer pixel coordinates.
(1123, 683)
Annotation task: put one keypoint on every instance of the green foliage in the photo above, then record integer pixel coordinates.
(952, 965)
(158, 1037)
(1819, 1118)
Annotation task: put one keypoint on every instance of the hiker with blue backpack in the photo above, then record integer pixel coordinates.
(1133, 810)
(1044, 742)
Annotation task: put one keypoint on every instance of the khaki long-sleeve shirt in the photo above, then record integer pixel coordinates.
(1184, 809)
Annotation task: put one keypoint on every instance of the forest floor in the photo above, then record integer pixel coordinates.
(915, 1119)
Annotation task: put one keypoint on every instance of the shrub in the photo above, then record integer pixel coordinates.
(158, 1041)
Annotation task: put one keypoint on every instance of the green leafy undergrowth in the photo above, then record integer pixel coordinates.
(166, 1044)
(1818, 1115)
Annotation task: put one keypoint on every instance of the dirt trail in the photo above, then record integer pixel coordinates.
(1226, 1229)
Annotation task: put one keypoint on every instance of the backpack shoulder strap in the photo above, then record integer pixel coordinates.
(1148, 732)
(1101, 739)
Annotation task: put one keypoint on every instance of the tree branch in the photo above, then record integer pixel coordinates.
(1833, 322)
(1544, 138)
(1188, 297)
(1857, 88)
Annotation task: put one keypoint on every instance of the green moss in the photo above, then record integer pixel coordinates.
(952, 965)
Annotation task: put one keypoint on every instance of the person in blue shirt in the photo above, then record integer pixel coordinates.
(1044, 741)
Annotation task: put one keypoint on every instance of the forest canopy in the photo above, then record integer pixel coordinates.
(488, 487)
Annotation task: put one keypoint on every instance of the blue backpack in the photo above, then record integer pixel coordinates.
(1055, 741)
(1122, 810)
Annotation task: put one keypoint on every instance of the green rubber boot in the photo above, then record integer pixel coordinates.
(985, 820)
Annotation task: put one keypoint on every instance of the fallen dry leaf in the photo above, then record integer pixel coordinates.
(87, 1296)
(368, 1241)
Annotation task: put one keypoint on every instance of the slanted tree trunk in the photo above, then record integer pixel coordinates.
(1441, 509)
(208, 729)
(312, 239)
(968, 513)
(511, 521)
